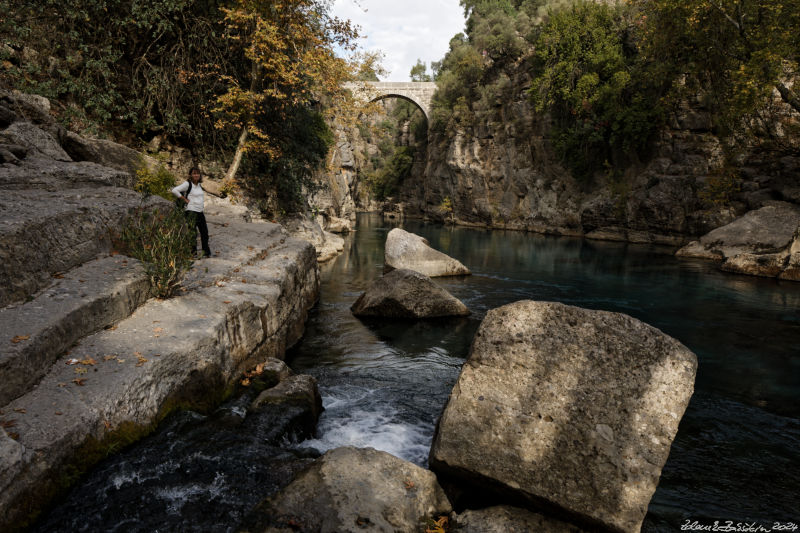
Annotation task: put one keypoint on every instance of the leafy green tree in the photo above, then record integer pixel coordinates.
(742, 49)
(419, 72)
(604, 103)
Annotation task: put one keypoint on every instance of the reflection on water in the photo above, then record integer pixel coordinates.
(384, 383)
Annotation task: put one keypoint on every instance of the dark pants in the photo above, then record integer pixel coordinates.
(198, 221)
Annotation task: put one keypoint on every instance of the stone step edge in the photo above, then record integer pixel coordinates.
(88, 298)
(59, 417)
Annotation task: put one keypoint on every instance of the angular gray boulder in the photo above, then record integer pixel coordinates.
(407, 250)
(568, 409)
(763, 242)
(353, 490)
(405, 293)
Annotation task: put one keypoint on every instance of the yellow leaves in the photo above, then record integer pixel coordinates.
(438, 526)
(80, 382)
(140, 360)
(20, 338)
(88, 361)
(157, 331)
(257, 371)
(81, 370)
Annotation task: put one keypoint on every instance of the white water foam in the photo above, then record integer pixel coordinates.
(379, 429)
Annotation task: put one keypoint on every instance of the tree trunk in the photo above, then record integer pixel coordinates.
(788, 96)
(237, 157)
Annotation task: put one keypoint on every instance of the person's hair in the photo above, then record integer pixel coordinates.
(191, 171)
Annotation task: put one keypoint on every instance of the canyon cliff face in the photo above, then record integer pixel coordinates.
(502, 172)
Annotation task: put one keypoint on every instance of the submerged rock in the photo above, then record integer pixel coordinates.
(566, 408)
(763, 242)
(405, 293)
(407, 250)
(353, 490)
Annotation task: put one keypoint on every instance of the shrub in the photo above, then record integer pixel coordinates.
(163, 242)
(158, 182)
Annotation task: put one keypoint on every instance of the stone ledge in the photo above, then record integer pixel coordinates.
(168, 351)
(43, 233)
(88, 298)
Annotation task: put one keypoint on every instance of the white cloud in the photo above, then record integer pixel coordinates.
(404, 30)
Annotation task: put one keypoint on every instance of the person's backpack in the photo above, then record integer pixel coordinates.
(179, 203)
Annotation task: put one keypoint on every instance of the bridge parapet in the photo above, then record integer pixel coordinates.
(417, 92)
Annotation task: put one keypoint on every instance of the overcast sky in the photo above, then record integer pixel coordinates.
(404, 30)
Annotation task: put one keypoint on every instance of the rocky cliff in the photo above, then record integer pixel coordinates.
(503, 173)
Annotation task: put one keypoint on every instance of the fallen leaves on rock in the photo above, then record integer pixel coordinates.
(109, 357)
(438, 526)
(226, 301)
(20, 410)
(20, 338)
(88, 361)
(72, 361)
(140, 360)
(80, 370)
(111, 328)
(79, 381)
(157, 332)
(5, 424)
(59, 413)
(409, 484)
(58, 275)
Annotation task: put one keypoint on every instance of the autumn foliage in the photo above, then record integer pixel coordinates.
(223, 77)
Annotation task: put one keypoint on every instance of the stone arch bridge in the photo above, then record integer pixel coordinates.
(419, 93)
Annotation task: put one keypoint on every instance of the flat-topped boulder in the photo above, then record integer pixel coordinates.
(407, 250)
(404, 293)
(568, 409)
(762, 242)
(353, 490)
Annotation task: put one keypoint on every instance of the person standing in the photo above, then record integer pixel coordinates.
(193, 195)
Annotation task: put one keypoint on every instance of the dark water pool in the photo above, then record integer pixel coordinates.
(737, 454)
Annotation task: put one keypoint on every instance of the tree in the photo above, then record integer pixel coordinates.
(604, 103)
(419, 72)
(287, 47)
(742, 49)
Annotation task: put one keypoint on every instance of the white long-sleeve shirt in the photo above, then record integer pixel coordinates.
(196, 196)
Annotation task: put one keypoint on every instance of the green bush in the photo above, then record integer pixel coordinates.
(386, 182)
(158, 182)
(604, 101)
(162, 240)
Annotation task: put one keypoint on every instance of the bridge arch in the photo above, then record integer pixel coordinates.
(419, 93)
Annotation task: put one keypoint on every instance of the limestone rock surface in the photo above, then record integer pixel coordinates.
(404, 293)
(760, 243)
(327, 244)
(350, 490)
(567, 408)
(407, 250)
(507, 519)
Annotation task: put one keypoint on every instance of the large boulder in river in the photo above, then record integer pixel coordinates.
(353, 490)
(407, 250)
(568, 409)
(405, 293)
(763, 242)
